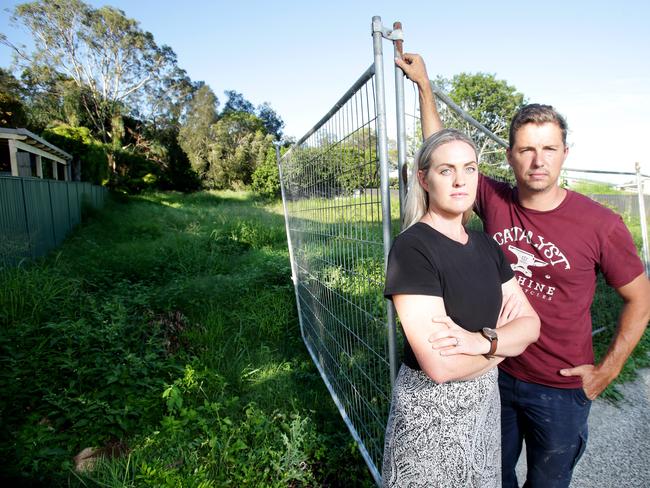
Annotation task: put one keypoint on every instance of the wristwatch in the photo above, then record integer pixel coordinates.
(490, 335)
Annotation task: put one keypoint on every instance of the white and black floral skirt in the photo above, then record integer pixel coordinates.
(443, 435)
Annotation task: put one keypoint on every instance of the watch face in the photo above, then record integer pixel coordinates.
(489, 333)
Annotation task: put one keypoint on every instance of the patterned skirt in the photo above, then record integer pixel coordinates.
(443, 435)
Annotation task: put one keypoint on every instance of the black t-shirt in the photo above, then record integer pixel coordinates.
(467, 277)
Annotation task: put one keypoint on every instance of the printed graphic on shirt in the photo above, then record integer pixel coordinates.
(525, 259)
(535, 283)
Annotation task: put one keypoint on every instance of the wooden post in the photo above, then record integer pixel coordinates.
(39, 166)
(12, 157)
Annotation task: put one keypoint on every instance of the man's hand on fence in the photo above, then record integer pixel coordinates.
(414, 68)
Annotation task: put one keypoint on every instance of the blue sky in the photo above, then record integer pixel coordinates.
(590, 59)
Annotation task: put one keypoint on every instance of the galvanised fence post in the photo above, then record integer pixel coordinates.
(642, 217)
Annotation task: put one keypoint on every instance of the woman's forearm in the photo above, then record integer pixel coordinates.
(459, 367)
(516, 335)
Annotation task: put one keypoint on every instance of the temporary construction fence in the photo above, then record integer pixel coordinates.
(340, 221)
(36, 214)
(338, 216)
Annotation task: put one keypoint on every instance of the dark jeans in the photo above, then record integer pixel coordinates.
(553, 421)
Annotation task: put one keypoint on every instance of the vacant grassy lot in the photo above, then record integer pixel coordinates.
(164, 333)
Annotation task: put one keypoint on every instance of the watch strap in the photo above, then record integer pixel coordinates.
(493, 338)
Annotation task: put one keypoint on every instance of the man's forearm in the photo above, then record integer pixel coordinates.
(429, 117)
(414, 68)
(632, 323)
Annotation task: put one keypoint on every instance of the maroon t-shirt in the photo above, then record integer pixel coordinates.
(556, 256)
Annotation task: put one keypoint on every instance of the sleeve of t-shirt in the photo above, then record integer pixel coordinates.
(619, 260)
(488, 190)
(505, 270)
(410, 271)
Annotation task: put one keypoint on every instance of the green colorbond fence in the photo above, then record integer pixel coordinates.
(36, 214)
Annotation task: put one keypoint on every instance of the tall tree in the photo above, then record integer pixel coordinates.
(100, 50)
(491, 101)
(236, 103)
(239, 147)
(195, 135)
(168, 102)
(272, 121)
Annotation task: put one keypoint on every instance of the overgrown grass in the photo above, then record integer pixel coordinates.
(587, 187)
(164, 333)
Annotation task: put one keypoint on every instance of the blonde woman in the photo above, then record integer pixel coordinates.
(448, 285)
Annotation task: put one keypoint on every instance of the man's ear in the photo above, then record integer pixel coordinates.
(509, 155)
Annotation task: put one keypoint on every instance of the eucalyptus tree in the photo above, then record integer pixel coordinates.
(195, 134)
(105, 54)
(240, 143)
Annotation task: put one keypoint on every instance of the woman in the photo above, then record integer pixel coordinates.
(448, 284)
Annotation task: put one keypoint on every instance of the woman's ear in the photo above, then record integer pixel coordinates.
(422, 178)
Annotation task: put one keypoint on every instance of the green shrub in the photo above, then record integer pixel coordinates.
(88, 151)
(266, 177)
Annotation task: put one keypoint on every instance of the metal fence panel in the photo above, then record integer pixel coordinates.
(37, 214)
(60, 210)
(14, 231)
(333, 204)
(338, 215)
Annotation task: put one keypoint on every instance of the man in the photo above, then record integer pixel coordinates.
(557, 241)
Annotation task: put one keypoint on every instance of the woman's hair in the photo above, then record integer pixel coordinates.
(417, 199)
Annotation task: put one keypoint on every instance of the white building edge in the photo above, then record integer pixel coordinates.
(26, 155)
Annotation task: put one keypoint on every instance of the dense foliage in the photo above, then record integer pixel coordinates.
(102, 89)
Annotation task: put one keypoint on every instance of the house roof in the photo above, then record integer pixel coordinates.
(32, 139)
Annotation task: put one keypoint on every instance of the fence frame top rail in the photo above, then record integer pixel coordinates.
(337, 106)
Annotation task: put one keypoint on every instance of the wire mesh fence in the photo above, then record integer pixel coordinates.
(331, 183)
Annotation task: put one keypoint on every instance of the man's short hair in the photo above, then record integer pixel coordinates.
(538, 114)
